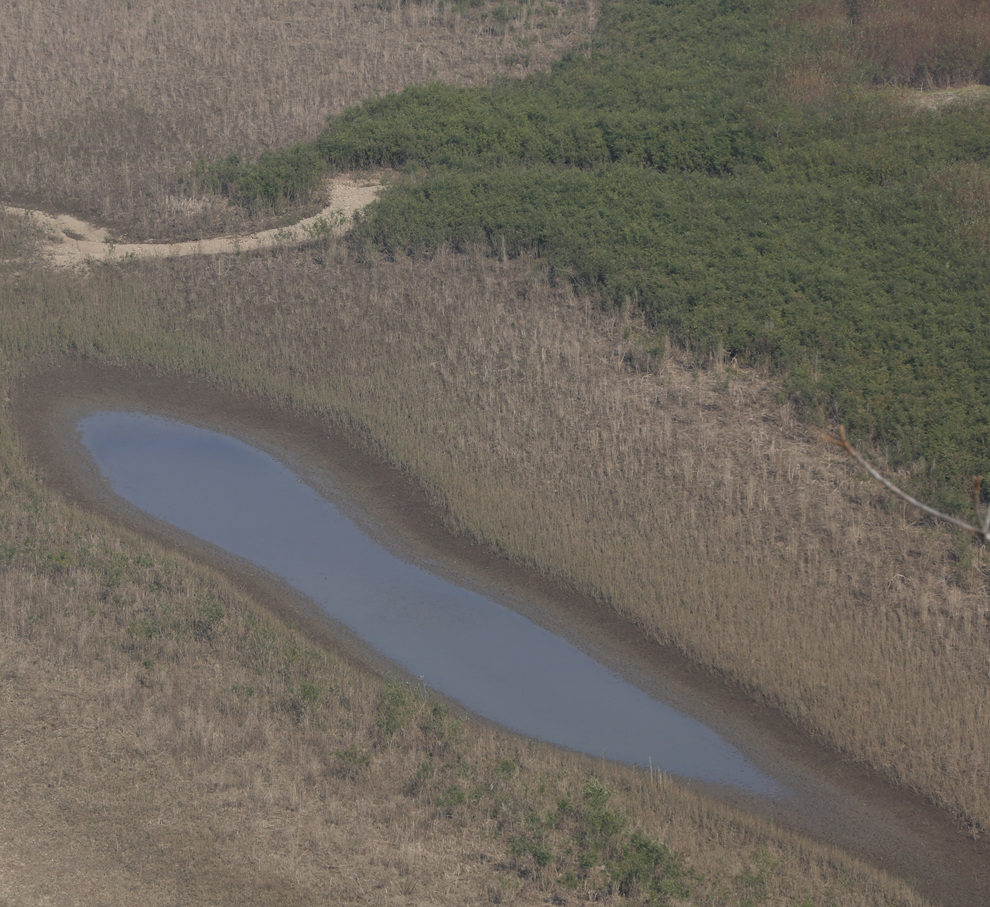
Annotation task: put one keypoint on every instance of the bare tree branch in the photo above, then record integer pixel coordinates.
(980, 531)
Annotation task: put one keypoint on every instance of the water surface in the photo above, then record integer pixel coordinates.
(464, 645)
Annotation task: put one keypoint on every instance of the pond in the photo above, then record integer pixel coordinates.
(463, 644)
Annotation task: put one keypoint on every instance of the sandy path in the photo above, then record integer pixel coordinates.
(71, 242)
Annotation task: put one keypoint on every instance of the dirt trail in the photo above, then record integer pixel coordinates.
(71, 242)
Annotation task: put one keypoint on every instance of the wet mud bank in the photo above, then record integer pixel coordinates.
(814, 792)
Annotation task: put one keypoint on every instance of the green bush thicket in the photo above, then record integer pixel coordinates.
(666, 167)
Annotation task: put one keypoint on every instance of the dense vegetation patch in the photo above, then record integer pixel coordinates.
(672, 166)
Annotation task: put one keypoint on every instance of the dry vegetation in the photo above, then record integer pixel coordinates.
(104, 104)
(244, 766)
(165, 740)
(926, 44)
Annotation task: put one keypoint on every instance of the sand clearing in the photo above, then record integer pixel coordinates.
(71, 242)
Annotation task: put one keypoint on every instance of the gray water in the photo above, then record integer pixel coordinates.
(466, 646)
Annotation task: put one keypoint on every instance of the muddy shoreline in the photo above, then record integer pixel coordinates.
(830, 800)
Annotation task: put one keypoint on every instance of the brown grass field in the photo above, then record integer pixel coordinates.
(104, 105)
(165, 738)
(925, 44)
(922, 44)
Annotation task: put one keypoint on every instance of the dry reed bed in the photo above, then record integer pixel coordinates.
(105, 104)
(924, 44)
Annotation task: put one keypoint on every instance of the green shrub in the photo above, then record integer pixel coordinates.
(664, 167)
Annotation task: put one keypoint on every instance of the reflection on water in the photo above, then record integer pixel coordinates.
(486, 656)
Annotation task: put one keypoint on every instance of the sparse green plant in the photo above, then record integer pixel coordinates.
(323, 229)
(395, 708)
(754, 880)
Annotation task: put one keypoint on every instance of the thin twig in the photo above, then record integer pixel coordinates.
(980, 532)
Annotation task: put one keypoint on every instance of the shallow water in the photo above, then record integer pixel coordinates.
(462, 644)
